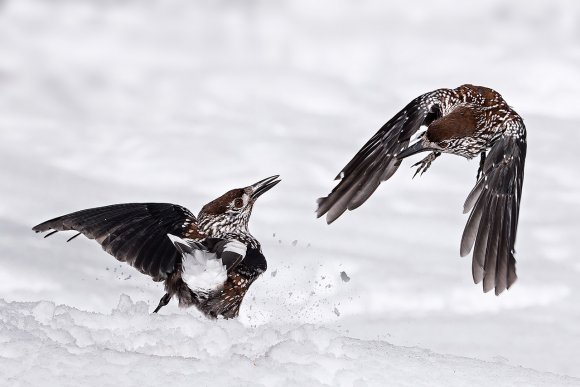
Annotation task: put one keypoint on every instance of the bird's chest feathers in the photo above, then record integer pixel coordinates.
(459, 123)
(203, 271)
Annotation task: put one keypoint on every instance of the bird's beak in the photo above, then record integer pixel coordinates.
(417, 147)
(262, 186)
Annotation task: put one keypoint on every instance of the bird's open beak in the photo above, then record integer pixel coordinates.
(417, 147)
(263, 185)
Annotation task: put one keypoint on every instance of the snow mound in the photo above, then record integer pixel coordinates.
(48, 344)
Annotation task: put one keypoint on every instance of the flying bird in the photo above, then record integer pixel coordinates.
(468, 121)
(208, 262)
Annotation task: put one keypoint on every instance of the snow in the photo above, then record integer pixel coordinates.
(169, 101)
(131, 347)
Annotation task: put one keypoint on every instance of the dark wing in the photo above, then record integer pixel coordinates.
(230, 251)
(495, 205)
(135, 233)
(377, 160)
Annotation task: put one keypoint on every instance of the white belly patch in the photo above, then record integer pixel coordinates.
(203, 271)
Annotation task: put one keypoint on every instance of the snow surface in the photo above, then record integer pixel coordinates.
(43, 342)
(107, 102)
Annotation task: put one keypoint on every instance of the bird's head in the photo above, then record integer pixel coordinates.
(229, 214)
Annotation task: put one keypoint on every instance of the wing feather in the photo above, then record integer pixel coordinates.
(377, 160)
(478, 261)
(135, 233)
(495, 205)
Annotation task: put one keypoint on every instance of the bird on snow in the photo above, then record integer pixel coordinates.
(467, 121)
(208, 262)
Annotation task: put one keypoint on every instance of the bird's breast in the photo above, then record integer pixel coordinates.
(459, 123)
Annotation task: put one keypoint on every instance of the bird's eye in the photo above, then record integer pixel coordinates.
(238, 203)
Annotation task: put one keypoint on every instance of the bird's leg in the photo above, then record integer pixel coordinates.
(425, 163)
(162, 302)
(481, 163)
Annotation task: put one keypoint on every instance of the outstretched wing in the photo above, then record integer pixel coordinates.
(377, 160)
(135, 233)
(495, 205)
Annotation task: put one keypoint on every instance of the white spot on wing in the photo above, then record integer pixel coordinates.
(237, 247)
(175, 239)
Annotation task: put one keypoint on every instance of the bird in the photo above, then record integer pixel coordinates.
(467, 121)
(208, 261)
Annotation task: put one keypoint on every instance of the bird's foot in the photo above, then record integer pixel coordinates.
(425, 163)
(163, 301)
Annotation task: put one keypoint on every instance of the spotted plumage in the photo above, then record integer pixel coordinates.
(468, 121)
(158, 239)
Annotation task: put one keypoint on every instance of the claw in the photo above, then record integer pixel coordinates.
(425, 163)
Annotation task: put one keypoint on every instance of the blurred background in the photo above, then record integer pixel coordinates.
(106, 102)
